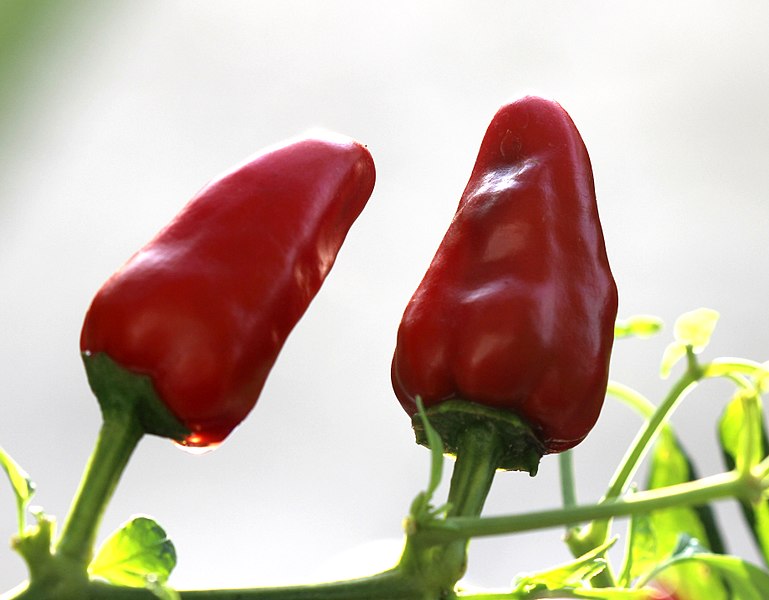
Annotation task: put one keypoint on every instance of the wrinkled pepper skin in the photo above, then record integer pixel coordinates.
(205, 307)
(517, 309)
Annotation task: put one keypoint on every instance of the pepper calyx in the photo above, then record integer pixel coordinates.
(521, 449)
(122, 391)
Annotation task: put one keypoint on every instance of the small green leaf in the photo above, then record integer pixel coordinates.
(139, 554)
(23, 486)
(762, 377)
(654, 537)
(640, 326)
(733, 428)
(692, 330)
(695, 328)
(436, 451)
(570, 575)
(670, 465)
(674, 352)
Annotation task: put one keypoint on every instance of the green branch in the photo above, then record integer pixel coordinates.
(701, 491)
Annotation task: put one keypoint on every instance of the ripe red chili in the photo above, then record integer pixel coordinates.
(205, 307)
(517, 309)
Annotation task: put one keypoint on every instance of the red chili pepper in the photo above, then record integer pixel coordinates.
(517, 310)
(205, 307)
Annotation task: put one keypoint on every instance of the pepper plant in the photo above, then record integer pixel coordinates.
(502, 356)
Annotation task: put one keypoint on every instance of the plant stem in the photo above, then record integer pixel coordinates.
(631, 398)
(473, 474)
(438, 567)
(687, 382)
(118, 437)
(702, 491)
(477, 459)
(383, 586)
(568, 484)
(642, 443)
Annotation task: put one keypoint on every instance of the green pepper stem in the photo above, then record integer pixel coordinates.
(118, 437)
(478, 449)
(476, 464)
(478, 455)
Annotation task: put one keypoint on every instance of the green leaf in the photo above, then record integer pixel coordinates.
(695, 328)
(655, 536)
(712, 576)
(640, 326)
(733, 428)
(421, 510)
(692, 330)
(570, 575)
(23, 486)
(436, 451)
(572, 580)
(674, 352)
(139, 554)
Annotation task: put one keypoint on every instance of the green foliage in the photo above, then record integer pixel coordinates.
(693, 573)
(640, 326)
(436, 451)
(652, 537)
(23, 486)
(742, 416)
(571, 575)
(673, 549)
(422, 509)
(139, 554)
(691, 332)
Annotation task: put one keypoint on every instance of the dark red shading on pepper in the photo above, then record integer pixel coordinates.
(205, 307)
(517, 309)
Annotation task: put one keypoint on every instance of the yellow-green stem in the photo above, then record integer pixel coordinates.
(118, 437)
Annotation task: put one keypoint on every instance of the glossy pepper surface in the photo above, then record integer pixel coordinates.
(205, 307)
(517, 309)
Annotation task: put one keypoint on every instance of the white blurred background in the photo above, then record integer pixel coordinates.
(113, 114)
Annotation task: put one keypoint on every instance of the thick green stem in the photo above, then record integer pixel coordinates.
(477, 460)
(384, 586)
(479, 447)
(118, 437)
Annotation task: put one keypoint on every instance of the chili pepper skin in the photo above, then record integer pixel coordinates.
(204, 308)
(516, 311)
